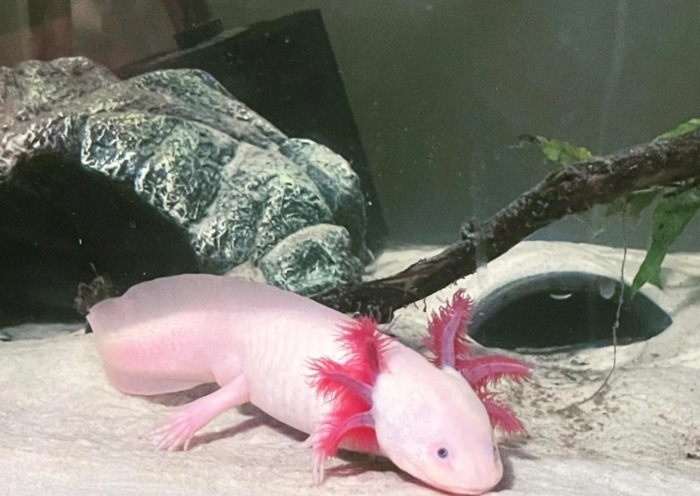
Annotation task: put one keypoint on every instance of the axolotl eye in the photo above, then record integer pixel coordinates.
(443, 453)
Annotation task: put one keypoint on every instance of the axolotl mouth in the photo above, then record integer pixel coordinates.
(476, 483)
(477, 477)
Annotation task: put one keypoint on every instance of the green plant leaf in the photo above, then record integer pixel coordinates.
(559, 151)
(634, 203)
(686, 127)
(670, 218)
(640, 200)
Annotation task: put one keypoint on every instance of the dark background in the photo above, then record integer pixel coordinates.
(441, 89)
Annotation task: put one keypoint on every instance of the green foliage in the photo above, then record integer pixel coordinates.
(634, 203)
(686, 127)
(672, 212)
(559, 151)
(671, 216)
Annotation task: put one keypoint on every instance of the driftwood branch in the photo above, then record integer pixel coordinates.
(568, 190)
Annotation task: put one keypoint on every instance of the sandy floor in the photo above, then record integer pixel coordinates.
(67, 432)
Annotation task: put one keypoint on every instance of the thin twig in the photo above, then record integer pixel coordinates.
(568, 190)
(620, 301)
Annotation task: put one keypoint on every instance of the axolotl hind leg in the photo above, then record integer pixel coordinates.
(183, 425)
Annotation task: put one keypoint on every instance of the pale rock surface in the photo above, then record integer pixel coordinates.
(67, 432)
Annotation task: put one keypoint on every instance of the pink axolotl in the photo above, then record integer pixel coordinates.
(313, 368)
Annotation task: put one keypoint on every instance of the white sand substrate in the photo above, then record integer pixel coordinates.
(65, 431)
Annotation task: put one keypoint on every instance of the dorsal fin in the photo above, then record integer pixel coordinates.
(348, 384)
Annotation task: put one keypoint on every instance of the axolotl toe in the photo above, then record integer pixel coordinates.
(309, 366)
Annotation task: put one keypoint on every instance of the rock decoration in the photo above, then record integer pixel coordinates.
(239, 188)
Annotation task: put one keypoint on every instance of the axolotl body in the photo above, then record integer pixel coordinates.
(311, 367)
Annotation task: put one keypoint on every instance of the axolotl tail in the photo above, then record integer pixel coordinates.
(159, 338)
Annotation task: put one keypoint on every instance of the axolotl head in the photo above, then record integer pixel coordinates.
(431, 424)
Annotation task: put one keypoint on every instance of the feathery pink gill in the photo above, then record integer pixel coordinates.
(450, 346)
